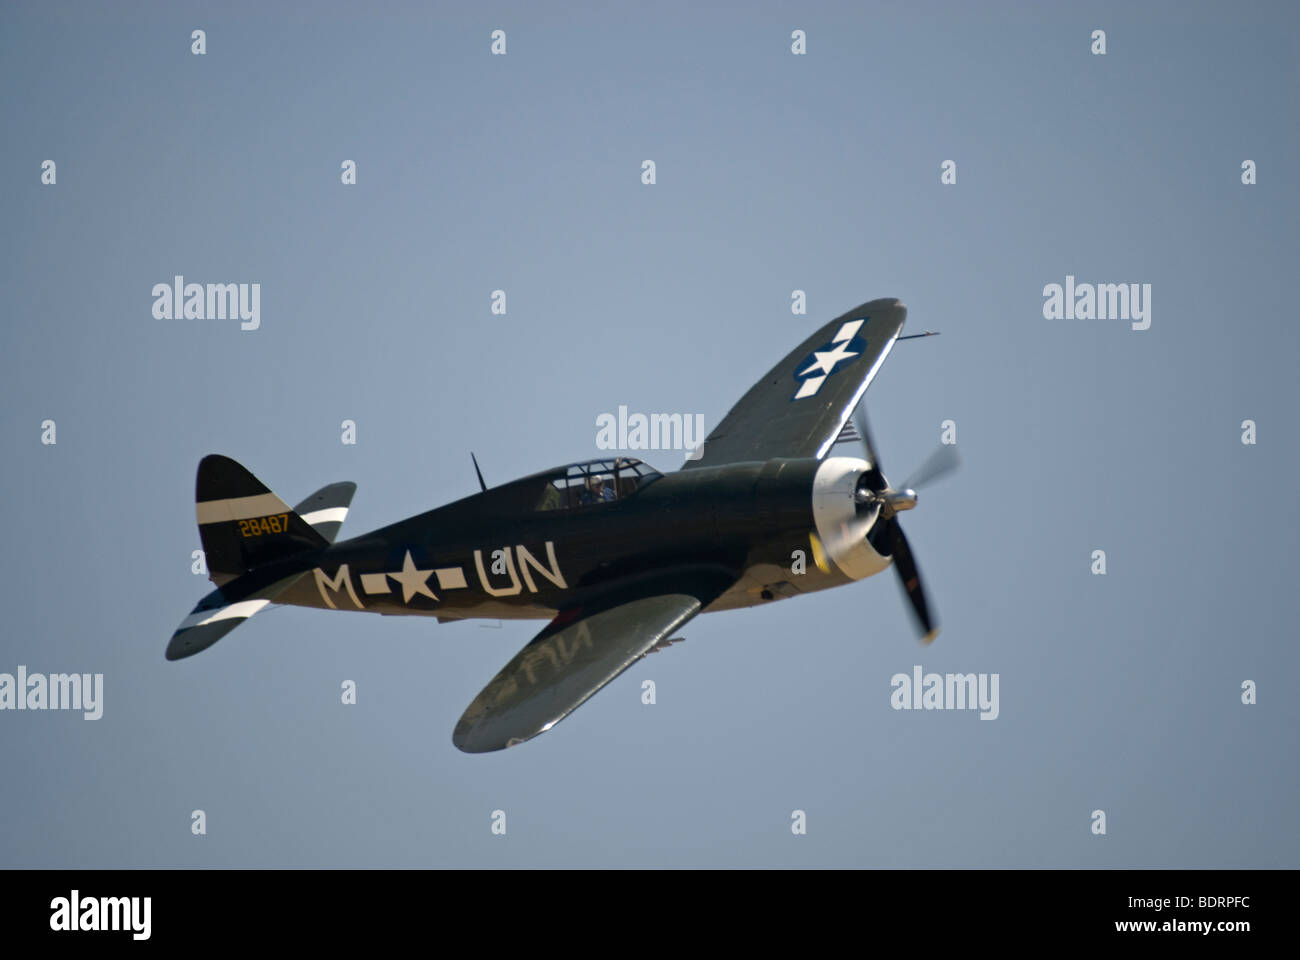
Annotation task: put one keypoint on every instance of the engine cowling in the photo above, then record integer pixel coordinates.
(842, 521)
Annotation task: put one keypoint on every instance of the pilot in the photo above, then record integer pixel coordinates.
(597, 491)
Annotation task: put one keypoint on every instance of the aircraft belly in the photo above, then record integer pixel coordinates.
(765, 582)
(496, 610)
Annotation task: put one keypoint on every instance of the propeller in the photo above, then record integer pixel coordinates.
(875, 480)
(943, 461)
(886, 536)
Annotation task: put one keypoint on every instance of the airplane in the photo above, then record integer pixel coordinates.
(614, 554)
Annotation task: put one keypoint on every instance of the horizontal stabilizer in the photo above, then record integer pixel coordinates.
(224, 609)
(327, 508)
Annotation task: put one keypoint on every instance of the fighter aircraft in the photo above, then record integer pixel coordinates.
(615, 555)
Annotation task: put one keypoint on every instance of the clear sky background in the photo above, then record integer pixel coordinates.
(775, 173)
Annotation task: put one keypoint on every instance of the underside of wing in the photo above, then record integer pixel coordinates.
(801, 406)
(576, 655)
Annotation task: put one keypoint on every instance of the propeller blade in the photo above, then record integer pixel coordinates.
(910, 578)
(875, 479)
(864, 432)
(943, 461)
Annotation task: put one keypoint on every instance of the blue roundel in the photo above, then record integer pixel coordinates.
(824, 361)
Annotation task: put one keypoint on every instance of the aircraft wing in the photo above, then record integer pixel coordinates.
(576, 655)
(801, 406)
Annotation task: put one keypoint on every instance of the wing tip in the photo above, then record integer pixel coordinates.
(464, 739)
(188, 641)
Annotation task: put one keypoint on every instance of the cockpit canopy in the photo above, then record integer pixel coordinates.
(594, 482)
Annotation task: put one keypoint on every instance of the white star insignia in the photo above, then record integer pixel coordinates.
(825, 361)
(413, 581)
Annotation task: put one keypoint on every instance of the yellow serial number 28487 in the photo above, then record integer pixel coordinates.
(258, 526)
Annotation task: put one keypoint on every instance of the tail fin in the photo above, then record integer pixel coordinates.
(243, 524)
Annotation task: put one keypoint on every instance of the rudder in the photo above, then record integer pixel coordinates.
(242, 524)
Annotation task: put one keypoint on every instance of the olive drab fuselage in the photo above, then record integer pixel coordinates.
(495, 555)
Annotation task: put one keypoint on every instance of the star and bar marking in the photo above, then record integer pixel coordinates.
(414, 581)
(826, 360)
